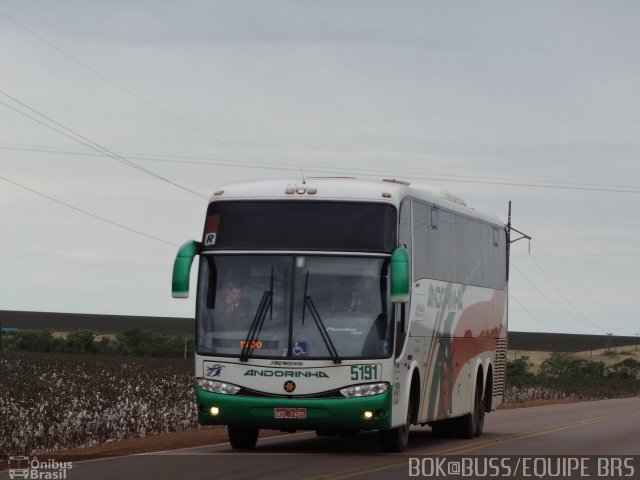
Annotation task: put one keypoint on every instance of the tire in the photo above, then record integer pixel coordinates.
(465, 426)
(480, 417)
(396, 439)
(472, 424)
(486, 404)
(443, 428)
(243, 438)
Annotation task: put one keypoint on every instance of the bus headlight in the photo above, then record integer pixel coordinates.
(364, 390)
(218, 387)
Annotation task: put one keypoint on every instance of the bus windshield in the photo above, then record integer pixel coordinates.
(294, 306)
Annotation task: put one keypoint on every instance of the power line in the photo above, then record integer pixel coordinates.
(563, 295)
(85, 212)
(560, 272)
(365, 172)
(181, 159)
(126, 90)
(89, 143)
(553, 302)
(593, 298)
(368, 173)
(530, 314)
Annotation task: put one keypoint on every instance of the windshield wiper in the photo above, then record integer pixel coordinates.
(266, 305)
(308, 302)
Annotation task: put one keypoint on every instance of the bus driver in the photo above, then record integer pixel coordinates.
(236, 308)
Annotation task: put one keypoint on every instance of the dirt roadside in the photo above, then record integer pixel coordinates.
(155, 443)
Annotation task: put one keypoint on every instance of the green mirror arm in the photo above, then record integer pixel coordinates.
(182, 268)
(400, 275)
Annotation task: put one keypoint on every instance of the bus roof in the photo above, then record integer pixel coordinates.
(389, 191)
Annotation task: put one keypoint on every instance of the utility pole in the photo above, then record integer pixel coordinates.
(609, 337)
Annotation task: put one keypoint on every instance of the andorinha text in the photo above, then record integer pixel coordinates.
(284, 373)
(439, 297)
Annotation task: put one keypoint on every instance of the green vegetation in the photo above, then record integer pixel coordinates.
(132, 342)
(519, 367)
(567, 365)
(565, 376)
(564, 364)
(628, 368)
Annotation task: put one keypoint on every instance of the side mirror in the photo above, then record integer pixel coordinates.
(399, 275)
(182, 269)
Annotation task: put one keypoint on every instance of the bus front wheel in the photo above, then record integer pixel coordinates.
(396, 439)
(243, 438)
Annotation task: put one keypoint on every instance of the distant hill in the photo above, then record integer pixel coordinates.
(530, 341)
(98, 323)
(568, 342)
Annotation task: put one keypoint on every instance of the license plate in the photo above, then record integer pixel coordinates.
(290, 413)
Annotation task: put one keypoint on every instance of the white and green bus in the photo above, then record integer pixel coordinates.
(342, 305)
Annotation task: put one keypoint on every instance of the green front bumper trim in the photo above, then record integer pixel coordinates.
(325, 413)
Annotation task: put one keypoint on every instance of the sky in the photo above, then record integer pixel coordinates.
(156, 104)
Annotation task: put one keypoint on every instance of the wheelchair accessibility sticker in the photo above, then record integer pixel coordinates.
(299, 349)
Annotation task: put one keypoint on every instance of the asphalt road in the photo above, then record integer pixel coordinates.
(594, 429)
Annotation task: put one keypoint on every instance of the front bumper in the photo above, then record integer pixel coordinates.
(325, 413)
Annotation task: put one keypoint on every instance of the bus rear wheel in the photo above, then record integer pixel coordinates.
(243, 438)
(472, 424)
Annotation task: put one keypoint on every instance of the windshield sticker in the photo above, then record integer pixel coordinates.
(211, 230)
(350, 330)
(287, 363)
(299, 349)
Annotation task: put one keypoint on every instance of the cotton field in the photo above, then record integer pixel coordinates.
(50, 402)
(55, 401)
(534, 388)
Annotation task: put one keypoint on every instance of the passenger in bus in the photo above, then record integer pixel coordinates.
(365, 304)
(363, 297)
(377, 340)
(236, 308)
